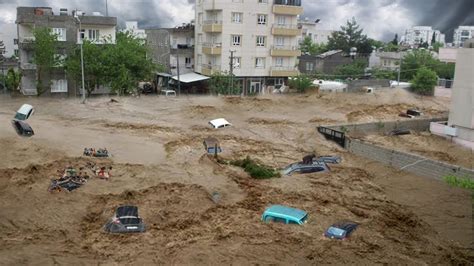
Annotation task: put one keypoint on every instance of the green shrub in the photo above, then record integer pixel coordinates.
(463, 182)
(256, 170)
(424, 81)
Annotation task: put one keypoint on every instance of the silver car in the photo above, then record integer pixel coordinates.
(305, 168)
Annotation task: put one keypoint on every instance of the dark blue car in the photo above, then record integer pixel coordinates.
(340, 230)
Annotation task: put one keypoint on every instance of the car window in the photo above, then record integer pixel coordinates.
(221, 126)
(279, 220)
(292, 222)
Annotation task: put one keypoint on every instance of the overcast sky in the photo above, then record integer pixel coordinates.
(381, 19)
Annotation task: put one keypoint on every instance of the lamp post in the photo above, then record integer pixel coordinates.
(76, 16)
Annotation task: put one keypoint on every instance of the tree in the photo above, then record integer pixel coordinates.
(424, 81)
(395, 40)
(309, 47)
(44, 57)
(424, 45)
(220, 83)
(436, 46)
(433, 38)
(423, 58)
(384, 74)
(350, 36)
(301, 83)
(356, 69)
(13, 79)
(390, 47)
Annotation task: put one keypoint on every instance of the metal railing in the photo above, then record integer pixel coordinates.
(211, 45)
(283, 68)
(211, 66)
(211, 21)
(285, 47)
(285, 26)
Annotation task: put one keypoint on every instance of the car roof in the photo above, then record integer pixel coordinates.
(127, 210)
(219, 122)
(345, 225)
(25, 108)
(281, 210)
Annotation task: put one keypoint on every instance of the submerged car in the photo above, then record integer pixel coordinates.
(212, 145)
(284, 214)
(328, 159)
(340, 230)
(24, 112)
(219, 123)
(125, 220)
(302, 168)
(22, 128)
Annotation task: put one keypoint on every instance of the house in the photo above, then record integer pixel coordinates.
(314, 30)
(260, 36)
(386, 60)
(132, 28)
(96, 28)
(163, 46)
(325, 63)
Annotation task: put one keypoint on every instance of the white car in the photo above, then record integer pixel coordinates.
(329, 85)
(24, 112)
(219, 123)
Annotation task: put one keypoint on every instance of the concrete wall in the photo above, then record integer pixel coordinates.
(355, 130)
(357, 85)
(412, 163)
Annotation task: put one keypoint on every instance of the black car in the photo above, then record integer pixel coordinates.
(125, 220)
(341, 230)
(22, 128)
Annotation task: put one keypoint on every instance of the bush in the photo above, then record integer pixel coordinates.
(462, 182)
(301, 83)
(424, 81)
(256, 170)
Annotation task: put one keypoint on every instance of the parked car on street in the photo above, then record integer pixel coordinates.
(284, 214)
(24, 112)
(22, 128)
(340, 230)
(301, 168)
(219, 123)
(125, 220)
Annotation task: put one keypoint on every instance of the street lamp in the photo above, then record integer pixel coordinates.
(76, 16)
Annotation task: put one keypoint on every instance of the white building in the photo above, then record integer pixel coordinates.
(132, 27)
(386, 60)
(263, 36)
(420, 34)
(461, 34)
(314, 30)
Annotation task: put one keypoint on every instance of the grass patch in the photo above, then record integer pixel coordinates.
(256, 170)
(462, 182)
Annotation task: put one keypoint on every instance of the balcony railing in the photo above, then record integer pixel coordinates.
(211, 66)
(211, 45)
(212, 21)
(288, 2)
(28, 39)
(283, 68)
(285, 47)
(286, 26)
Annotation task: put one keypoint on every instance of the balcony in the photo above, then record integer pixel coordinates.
(285, 51)
(283, 71)
(286, 30)
(209, 70)
(212, 26)
(212, 48)
(291, 7)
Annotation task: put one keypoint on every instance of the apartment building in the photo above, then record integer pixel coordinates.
(261, 34)
(95, 27)
(314, 30)
(420, 34)
(461, 34)
(163, 46)
(132, 28)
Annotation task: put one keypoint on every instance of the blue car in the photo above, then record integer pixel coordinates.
(284, 214)
(340, 230)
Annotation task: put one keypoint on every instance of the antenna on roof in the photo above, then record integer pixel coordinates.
(106, 9)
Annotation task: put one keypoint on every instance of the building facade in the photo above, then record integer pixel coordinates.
(314, 30)
(461, 34)
(325, 63)
(163, 46)
(418, 35)
(132, 27)
(96, 28)
(386, 60)
(260, 35)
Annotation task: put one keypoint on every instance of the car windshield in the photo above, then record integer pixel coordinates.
(20, 116)
(336, 231)
(304, 219)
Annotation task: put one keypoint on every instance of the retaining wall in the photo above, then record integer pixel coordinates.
(406, 161)
(357, 85)
(415, 124)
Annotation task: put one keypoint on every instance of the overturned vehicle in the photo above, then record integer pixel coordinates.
(125, 220)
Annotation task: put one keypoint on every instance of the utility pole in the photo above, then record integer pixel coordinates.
(106, 9)
(2, 60)
(231, 65)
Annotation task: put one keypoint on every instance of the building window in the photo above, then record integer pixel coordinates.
(59, 85)
(279, 61)
(260, 62)
(236, 62)
(82, 34)
(261, 41)
(60, 34)
(262, 1)
(309, 66)
(261, 19)
(187, 62)
(236, 40)
(200, 38)
(237, 17)
(281, 20)
(199, 59)
(200, 18)
(279, 41)
(93, 35)
(59, 60)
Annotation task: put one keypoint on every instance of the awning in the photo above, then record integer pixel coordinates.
(163, 74)
(190, 77)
